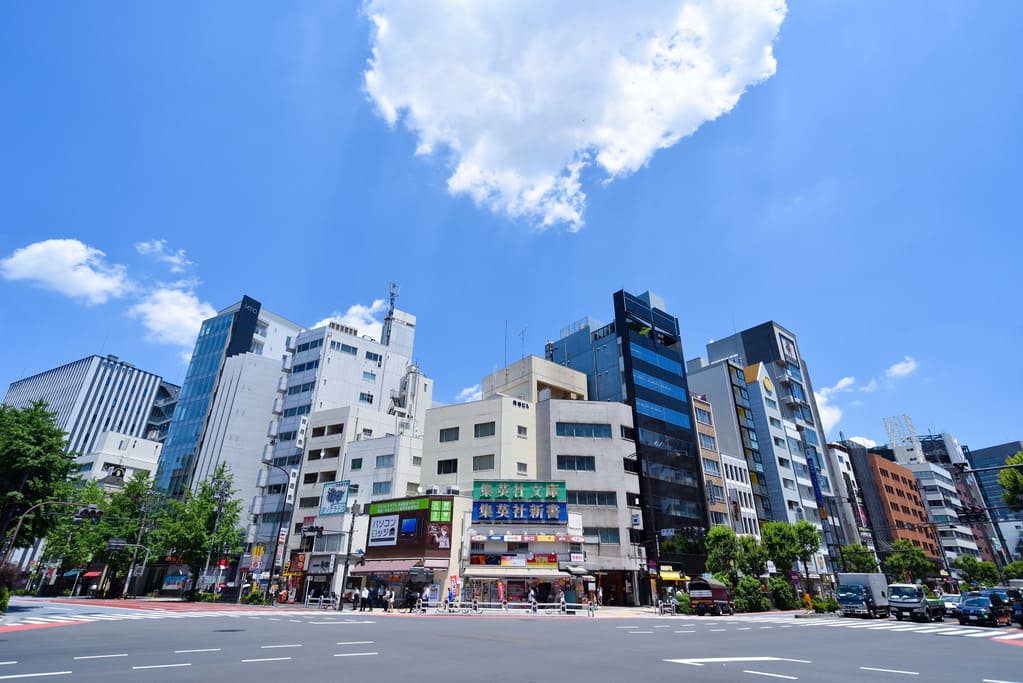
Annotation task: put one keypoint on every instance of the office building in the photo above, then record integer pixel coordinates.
(1008, 523)
(710, 462)
(95, 395)
(637, 359)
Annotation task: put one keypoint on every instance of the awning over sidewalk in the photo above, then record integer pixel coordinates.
(485, 572)
(384, 567)
(73, 572)
(88, 575)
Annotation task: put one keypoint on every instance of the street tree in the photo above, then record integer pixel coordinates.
(752, 556)
(907, 562)
(723, 553)
(203, 525)
(780, 544)
(808, 540)
(1013, 570)
(33, 468)
(1011, 480)
(858, 558)
(977, 572)
(72, 541)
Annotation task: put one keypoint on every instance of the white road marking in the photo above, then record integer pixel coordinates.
(631, 632)
(356, 654)
(720, 660)
(100, 656)
(48, 673)
(267, 647)
(718, 629)
(890, 671)
(744, 628)
(685, 631)
(626, 627)
(356, 642)
(995, 680)
(161, 666)
(275, 618)
(266, 659)
(767, 627)
(979, 634)
(1015, 636)
(340, 622)
(764, 673)
(662, 627)
(205, 649)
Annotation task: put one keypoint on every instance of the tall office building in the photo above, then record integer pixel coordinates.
(1009, 524)
(777, 351)
(95, 395)
(637, 359)
(224, 408)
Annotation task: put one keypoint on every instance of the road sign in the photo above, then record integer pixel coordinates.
(255, 564)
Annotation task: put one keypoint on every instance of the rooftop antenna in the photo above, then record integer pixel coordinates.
(522, 335)
(385, 334)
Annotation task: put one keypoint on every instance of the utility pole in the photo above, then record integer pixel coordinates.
(354, 510)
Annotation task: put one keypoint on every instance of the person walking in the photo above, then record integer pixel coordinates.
(532, 600)
(364, 603)
(389, 596)
(425, 597)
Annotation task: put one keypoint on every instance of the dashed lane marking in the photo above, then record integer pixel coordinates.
(764, 673)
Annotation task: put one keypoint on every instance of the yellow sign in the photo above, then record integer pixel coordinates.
(768, 385)
(257, 551)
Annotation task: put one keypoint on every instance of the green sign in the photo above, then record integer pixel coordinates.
(399, 506)
(527, 491)
(440, 510)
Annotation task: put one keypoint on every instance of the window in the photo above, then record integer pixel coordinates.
(449, 466)
(417, 461)
(586, 430)
(707, 441)
(586, 463)
(703, 416)
(601, 534)
(309, 478)
(779, 442)
(351, 350)
(522, 468)
(385, 461)
(522, 432)
(309, 502)
(366, 397)
(775, 422)
(356, 464)
(369, 376)
(711, 467)
(591, 498)
(287, 436)
(484, 429)
(381, 488)
(297, 410)
(482, 463)
(771, 403)
(789, 484)
(630, 465)
(449, 434)
(374, 357)
(715, 493)
(782, 462)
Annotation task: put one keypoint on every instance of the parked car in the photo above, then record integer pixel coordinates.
(985, 609)
(951, 601)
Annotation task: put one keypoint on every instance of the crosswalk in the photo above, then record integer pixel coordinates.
(138, 615)
(939, 628)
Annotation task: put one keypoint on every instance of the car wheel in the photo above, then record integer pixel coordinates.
(898, 616)
(962, 622)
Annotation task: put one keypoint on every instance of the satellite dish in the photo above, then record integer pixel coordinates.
(419, 489)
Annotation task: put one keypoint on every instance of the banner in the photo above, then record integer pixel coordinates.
(534, 513)
(334, 499)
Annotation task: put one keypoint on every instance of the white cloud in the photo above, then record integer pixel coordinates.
(473, 393)
(158, 249)
(863, 441)
(901, 369)
(69, 267)
(362, 318)
(830, 415)
(172, 316)
(870, 386)
(525, 95)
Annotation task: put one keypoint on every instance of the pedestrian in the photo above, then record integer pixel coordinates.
(451, 599)
(389, 596)
(532, 600)
(380, 597)
(364, 603)
(562, 605)
(600, 595)
(591, 608)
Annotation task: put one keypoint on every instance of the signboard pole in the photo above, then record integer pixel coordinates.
(354, 510)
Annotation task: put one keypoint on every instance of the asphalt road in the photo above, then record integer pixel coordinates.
(195, 644)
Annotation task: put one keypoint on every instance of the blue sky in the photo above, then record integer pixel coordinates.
(851, 171)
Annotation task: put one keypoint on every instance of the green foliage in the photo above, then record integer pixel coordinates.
(1011, 480)
(749, 596)
(808, 542)
(33, 469)
(256, 597)
(5, 597)
(685, 605)
(907, 562)
(1013, 570)
(974, 571)
(752, 556)
(723, 553)
(822, 605)
(204, 524)
(858, 558)
(783, 592)
(781, 544)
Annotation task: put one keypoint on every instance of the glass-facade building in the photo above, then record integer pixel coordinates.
(637, 359)
(228, 333)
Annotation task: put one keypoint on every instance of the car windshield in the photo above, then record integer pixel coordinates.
(850, 591)
(977, 602)
(903, 593)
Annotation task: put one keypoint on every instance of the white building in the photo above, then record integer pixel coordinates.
(115, 450)
(740, 496)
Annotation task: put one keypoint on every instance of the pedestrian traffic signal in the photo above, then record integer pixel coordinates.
(90, 512)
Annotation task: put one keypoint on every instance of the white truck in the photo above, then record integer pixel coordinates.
(862, 594)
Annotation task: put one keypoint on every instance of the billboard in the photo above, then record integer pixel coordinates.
(334, 498)
(410, 527)
(528, 491)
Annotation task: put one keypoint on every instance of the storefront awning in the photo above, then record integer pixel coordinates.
(579, 571)
(90, 574)
(435, 564)
(484, 572)
(73, 572)
(384, 566)
(672, 576)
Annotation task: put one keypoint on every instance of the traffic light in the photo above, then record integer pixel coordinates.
(971, 514)
(309, 530)
(90, 512)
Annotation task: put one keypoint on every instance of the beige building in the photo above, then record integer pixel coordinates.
(710, 461)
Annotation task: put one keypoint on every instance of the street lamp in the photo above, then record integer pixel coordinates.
(280, 522)
(355, 511)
